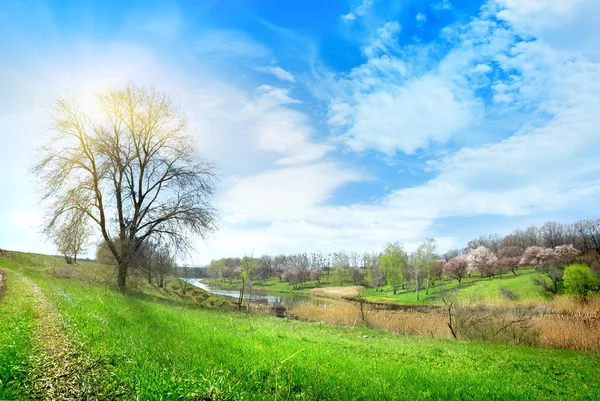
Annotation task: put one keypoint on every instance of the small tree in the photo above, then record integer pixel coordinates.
(509, 258)
(482, 260)
(530, 257)
(375, 276)
(394, 263)
(551, 263)
(70, 236)
(457, 268)
(316, 274)
(341, 266)
(580, 280)
(422, 260)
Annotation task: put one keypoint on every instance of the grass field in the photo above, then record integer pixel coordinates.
(487, 288)
(140, 346)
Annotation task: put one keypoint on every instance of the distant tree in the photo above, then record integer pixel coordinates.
(316, 274)
(393, 262)
(354, 260)
(580, 280)
(341, 266)
(375, 276)
(509, 258)
(457, 268)
(248, 275)
(452, 254)
(482, 260)
(357, 275)
(422, 260)
(264, 268)
(590, 232)
(131, 169)
(551, 263)
(530, 257)
(70, 236)
(551, 234)
(435, 272)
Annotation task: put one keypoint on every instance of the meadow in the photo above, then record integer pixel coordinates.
(520, 286)
(155, 344)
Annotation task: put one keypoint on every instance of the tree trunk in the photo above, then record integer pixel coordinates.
(122, 275)
(417, 288)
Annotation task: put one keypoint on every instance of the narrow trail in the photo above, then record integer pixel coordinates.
(56, 363)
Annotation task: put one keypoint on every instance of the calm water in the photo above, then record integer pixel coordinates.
(257, 296)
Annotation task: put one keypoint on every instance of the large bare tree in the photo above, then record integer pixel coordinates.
(132, 169)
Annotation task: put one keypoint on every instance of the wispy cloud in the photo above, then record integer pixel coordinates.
(277, 72)
(359, 11)
(441, 5)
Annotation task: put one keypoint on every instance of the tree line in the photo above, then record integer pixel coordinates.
(549, 249)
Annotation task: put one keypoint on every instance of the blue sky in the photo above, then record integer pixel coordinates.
(339, 125)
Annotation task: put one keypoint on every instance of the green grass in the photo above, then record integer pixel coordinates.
(17, 319)
(488, 288)
(157, 348)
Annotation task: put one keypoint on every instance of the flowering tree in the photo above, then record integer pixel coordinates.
(509, 258)
(457, 267)
(482, 260)
(550, 262)
(315, 275)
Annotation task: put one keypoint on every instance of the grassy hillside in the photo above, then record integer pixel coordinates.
(520, 285)
(144, 346)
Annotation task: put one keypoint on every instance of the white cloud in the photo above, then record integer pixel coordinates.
(401, 117)
(278, 72)
(360, 11)
(421, 19)
(279, 128)
(568, 25)
(442, 5)
(348, 17)
(284, 194)
(384, 40)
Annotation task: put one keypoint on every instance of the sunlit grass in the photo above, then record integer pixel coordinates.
(17, 319)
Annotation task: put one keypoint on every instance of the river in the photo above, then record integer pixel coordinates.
(258, 296)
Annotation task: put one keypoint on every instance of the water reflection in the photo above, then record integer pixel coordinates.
(258, 296)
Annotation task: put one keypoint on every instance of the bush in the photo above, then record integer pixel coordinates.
(580, 280)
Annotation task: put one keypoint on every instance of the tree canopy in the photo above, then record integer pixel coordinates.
(131, 168)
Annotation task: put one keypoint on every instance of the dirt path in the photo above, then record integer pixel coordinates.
(56, 363)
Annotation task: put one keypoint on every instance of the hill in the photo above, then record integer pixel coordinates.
(65, 331)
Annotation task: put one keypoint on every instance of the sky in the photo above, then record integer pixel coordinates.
(337, 125)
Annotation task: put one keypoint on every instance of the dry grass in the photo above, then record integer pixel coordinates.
(348, 314)
(577, 333)
(336, 292)
(565, 324)
(573, 307)
(58, 365)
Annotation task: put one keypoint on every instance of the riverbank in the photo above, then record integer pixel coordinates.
(145, 347)
(563, 323)
(520, 288)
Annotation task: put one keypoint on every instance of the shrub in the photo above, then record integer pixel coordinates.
(580, 280)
